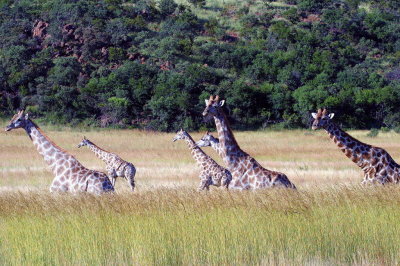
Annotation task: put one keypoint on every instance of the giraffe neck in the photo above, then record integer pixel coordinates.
(350, 146)
(230, 148)
(53, 155)
(197, 153)
(100, 153)
(217, 147)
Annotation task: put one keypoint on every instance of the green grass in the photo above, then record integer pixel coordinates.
(329, 220)
(181, 227)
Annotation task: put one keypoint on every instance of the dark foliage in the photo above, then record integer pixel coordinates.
(151, 64)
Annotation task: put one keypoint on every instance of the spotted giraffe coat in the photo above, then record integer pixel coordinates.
(209, 140)
(115, 166)
(246, 172)
(69, 174)
(211, 173)
(377, 164)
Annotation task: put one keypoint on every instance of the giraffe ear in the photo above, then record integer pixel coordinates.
(206, 102)
(26, 116)
(314, 115)
(221, 103)
(331, 115)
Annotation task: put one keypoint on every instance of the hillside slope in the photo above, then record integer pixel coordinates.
(150, 64)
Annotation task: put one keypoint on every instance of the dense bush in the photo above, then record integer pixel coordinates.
(151, 64)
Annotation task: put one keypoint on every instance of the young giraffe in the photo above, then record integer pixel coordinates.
(246, 172)
(211, 173)
(208, 140)
(377, 164)
(116, 167)
(70, 174)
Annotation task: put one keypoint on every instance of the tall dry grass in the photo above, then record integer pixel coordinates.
(182, 226)
(331, 219)
(309, 158)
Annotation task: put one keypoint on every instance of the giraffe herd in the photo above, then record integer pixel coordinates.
(242, 171)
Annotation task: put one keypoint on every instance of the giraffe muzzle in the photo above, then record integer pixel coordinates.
(7, 128)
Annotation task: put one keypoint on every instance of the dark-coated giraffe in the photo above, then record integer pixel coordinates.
(246, 172)
(377, 165)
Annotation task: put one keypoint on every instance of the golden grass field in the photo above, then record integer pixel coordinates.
(331, 219)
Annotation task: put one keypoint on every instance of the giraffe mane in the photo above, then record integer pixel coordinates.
(47, 138)
(97, 146)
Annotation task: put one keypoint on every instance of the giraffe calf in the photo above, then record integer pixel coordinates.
(211, 173)
(115, 166)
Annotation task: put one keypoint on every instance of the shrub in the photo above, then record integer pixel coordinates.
(373, 133)
(167, 7)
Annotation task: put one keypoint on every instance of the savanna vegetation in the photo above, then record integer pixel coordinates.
(330, 219)
(150, 64)
(346, 225)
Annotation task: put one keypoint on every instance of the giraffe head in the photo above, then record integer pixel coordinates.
(206, 140)
(321, 119)
(19, 120)
(213, 107)
(84, 142)
(180, 134)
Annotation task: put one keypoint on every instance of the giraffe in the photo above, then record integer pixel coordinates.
(211, 173)
(377, 165)
(70, 174)
(246, 172)
(116, 167)
(209, 140)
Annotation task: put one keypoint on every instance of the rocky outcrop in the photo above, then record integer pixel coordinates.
(40, 29)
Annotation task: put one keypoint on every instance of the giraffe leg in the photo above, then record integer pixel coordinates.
(216, 180)
(112, 176)
(227, 178)
(205, 183)
(202, 185)
(130, 176)
(382, 178)
(281, 180)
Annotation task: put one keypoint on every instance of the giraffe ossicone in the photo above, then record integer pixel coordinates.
(377, 164)
(246, 172)
(69, 174)
(211, 173)
(115, 166)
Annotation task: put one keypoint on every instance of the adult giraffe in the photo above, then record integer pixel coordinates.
(70, 174)
(377, 165)
(246, 172)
